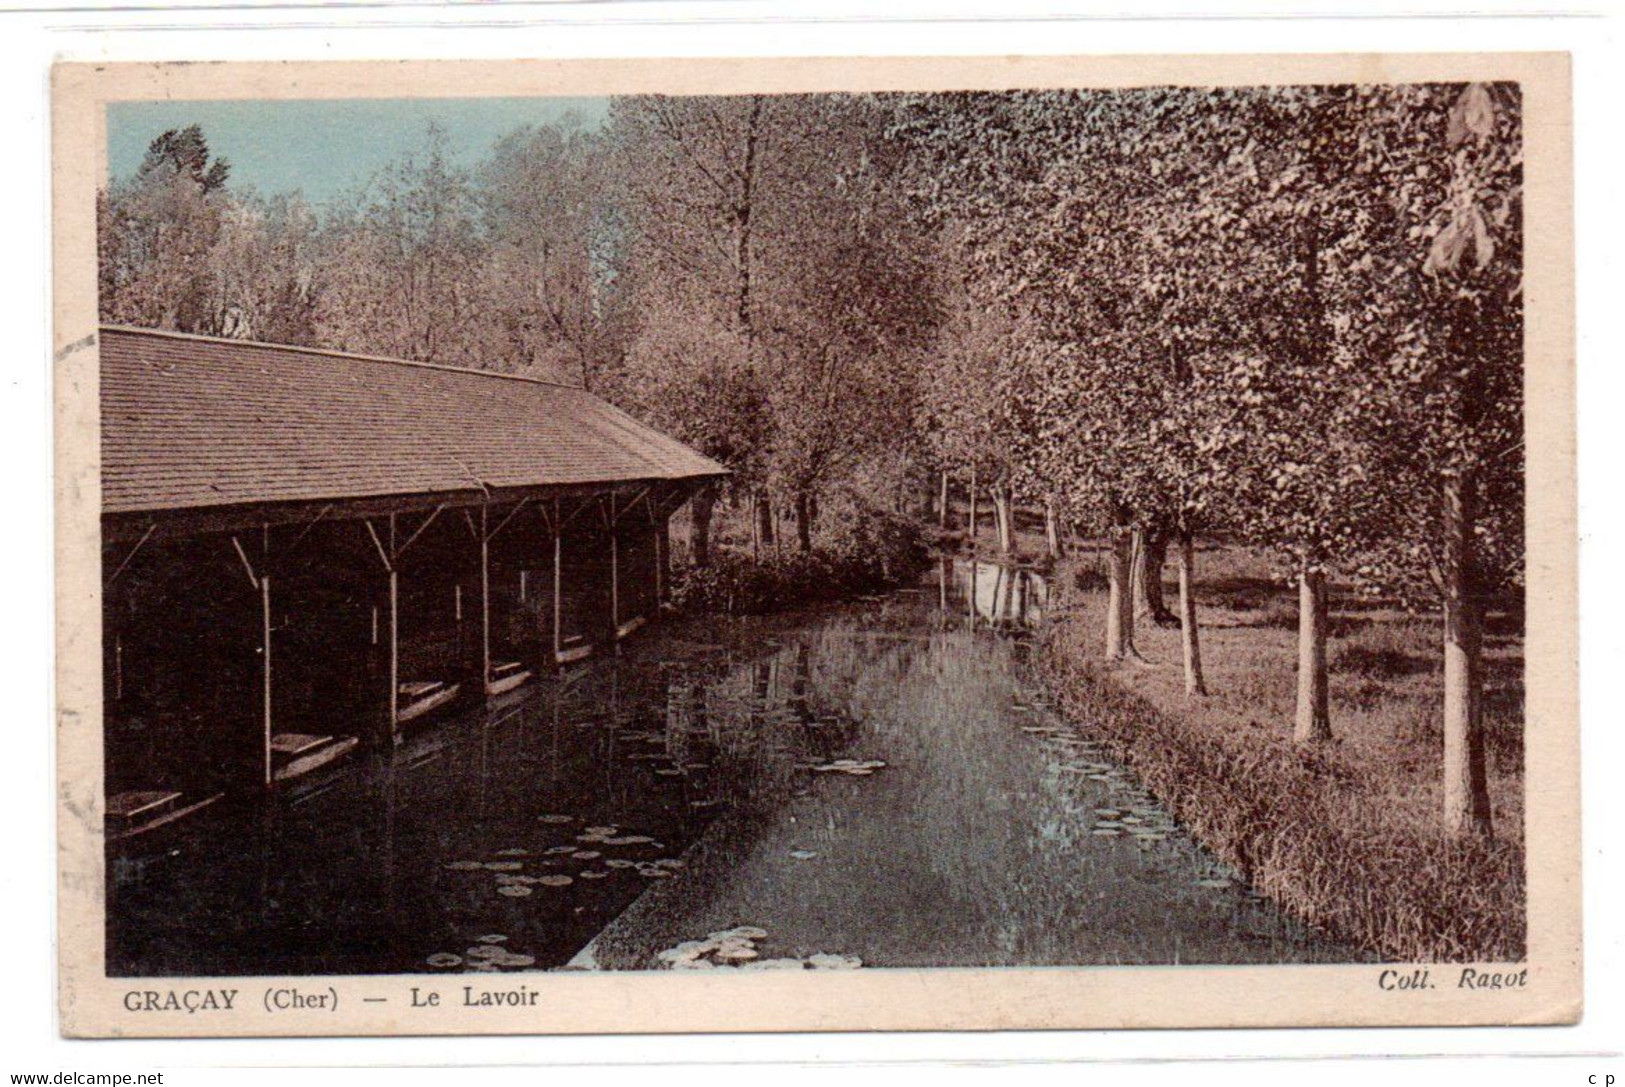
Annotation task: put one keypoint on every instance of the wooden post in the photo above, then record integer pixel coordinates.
(660, 566)
(485, 604)
(395, 658)
(558, 567)
(614, 576)
(265, 669)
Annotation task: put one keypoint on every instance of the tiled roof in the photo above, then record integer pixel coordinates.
(192, 421)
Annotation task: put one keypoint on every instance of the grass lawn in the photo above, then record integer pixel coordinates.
(1345, 834)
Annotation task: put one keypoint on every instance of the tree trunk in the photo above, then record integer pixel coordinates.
(1189, 639)
(942, 502)
(755, 531)
(764, 519)
(803, 522)
(1052, 530)
(973, 507)
(1466, 787)
(1150, 556)
(1001, 511)
(700, 507)
(1313, 722)
(1120, 597)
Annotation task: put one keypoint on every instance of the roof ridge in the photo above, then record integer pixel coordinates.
(331, 353)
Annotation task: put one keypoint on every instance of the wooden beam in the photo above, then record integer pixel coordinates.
(427, 521)
(253, 579)
(383, 555)
(504, 522)
(325, 510)
(198, 521)
(145, 536)
(585, 503)
(641, 496)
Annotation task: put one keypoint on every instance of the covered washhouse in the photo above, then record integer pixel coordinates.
(305, 552)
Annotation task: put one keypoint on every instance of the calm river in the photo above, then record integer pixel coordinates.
(695, 782)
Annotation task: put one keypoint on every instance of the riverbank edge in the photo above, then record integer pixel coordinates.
(1263, 807)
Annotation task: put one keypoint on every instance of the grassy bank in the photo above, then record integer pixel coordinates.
(1344, 835)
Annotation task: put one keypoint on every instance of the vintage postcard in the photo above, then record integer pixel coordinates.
(815, 544)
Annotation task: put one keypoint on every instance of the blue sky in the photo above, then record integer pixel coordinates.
(325, 147)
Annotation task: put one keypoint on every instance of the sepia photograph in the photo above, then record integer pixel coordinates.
(681, 532)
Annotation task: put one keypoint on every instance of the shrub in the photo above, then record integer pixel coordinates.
(864, 555)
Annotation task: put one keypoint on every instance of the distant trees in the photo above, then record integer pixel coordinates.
(767, 229)
(1289, 316)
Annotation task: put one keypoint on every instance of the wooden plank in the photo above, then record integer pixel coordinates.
(296, 743)
(131, 804)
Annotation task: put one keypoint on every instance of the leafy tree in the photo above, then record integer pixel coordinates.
(155, 234)
(405, 267)
(542, 204)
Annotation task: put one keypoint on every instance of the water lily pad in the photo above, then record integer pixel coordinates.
(628, 839)
(600, 832)
(554, 881)
(493, 938)
(592, 874)
(1106, 832)
(585, 855)
(559, 850)
(503, 866)
(738, 954)
(514, 852)
(747, 932)
(515, 960)
(444, 960)
(618, 862)
(514, 890)
(466, 866)
(803, 854)
(823, 961)
(555, 819)
(688, 949)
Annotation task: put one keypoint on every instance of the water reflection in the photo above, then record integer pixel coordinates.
(1000, 595)
(963, 826)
